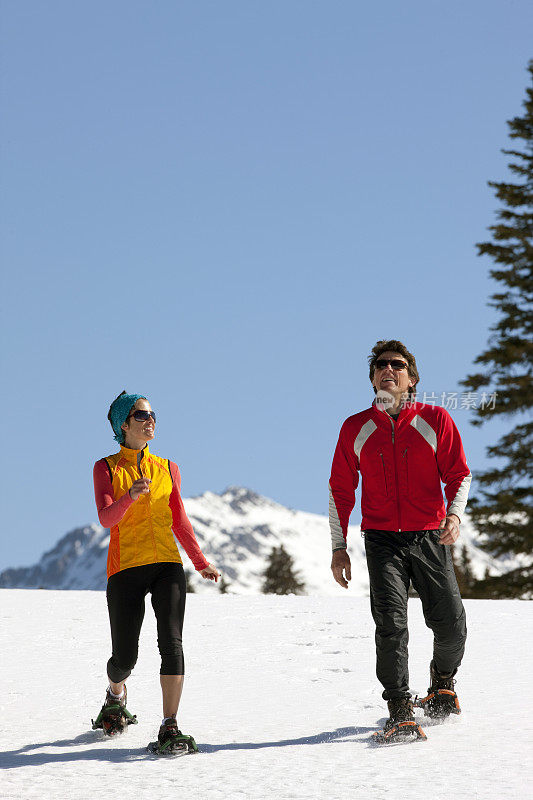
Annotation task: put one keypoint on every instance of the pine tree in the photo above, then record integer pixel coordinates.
(503, 509)
(463, 572)
(223, 585)
(189, 586)
(279, 576)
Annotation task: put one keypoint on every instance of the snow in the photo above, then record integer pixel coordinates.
(280, 695)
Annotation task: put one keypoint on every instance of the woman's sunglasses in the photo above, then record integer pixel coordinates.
(140, 415)
(395, 363)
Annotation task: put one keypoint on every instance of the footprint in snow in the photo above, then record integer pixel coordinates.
(340, 669)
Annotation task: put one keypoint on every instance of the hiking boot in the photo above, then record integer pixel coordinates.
(441, 699)
(400, 710)
(172, 741)
(115, 701)
(114, 717)
(401, 724)
(169, 735)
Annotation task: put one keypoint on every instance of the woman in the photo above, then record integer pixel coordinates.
(138, 497)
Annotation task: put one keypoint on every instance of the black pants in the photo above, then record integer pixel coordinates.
(126, 592)
(394, 560)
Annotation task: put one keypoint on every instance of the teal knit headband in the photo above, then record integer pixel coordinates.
(119, 413)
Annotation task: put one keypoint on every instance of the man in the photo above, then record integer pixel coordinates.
(403, 450)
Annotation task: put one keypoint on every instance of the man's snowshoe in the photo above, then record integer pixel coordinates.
(441, 699)
(401, 725)
(114, 717)
(171, 741)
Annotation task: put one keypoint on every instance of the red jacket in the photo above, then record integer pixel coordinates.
(402, 464)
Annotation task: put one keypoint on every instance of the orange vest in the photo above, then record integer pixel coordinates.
(144, 534)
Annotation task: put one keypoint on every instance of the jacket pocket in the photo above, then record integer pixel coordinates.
(405, 465)
(384, 472)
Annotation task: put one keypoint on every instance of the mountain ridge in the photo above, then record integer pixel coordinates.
(236, 530)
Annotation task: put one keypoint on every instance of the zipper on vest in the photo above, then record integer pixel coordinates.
(154, 544)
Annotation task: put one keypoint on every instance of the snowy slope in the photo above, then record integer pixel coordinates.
(236, 530)
(280, 695)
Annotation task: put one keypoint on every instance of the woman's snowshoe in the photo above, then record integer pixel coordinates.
(114, 717)
(171, 741)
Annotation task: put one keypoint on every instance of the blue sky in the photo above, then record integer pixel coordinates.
(224, 205)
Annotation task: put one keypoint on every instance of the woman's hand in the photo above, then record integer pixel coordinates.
(210, 573)
(140, 486)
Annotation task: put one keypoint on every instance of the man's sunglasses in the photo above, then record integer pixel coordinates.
(395, 363)
(140, 414)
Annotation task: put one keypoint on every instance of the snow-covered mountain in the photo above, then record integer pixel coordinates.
(236, 531)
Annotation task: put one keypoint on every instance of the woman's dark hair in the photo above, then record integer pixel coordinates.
(394, 346)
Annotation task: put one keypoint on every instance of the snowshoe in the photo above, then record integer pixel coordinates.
(114, 717)
(171, 741)
(401, 725)
(408, 731)
(441, 699)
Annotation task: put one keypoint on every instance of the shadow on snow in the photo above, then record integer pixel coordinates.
(24, 757)
(339, 736)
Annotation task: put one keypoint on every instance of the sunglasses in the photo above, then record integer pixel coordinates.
(395, 363)
(140, 415)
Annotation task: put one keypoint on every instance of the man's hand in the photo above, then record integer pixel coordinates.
(341, 567)
(449, 528)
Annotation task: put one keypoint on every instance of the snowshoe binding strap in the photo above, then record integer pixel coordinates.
(179, 744)
(113, 719)
(439, 703)
(398, 732)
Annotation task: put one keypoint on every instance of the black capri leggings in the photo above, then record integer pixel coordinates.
(126, 591)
